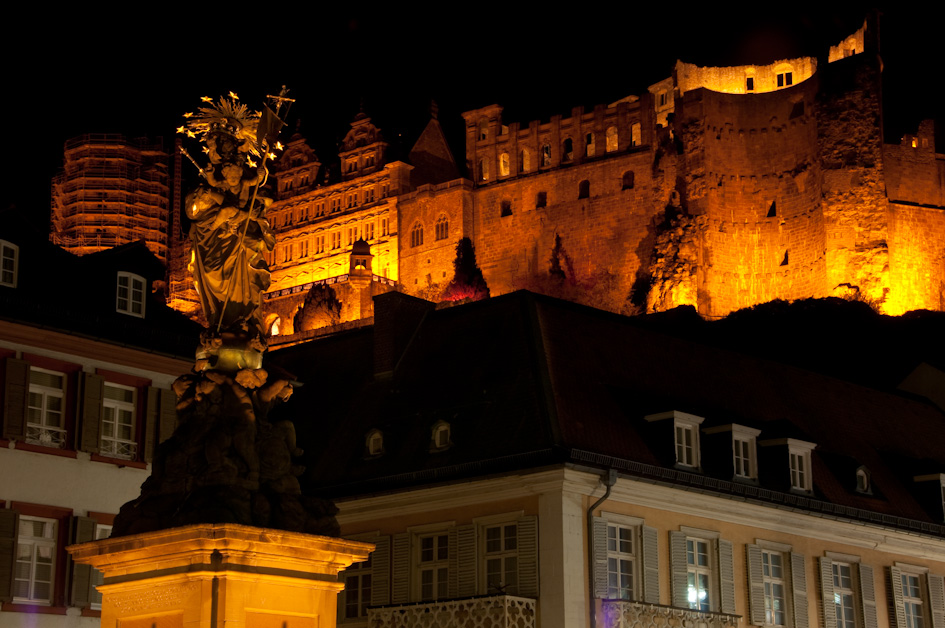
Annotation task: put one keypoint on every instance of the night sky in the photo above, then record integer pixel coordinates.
(83, 72)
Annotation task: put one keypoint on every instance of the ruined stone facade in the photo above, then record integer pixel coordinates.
(720, 188)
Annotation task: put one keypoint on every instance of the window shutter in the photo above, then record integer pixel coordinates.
(799, 585)
(600, 557)
(400, 585)
(93, 392)
(868, 596)
(168, 420)
(896, 607)
(380, 571)
(83, 531)
(151, 418)
(453, 583)
(528, 556)
(829, 607)
(466, 561)
(8, 532)
(726, 577)
(677, 555)
(15, 395)
(756, 586)
(937, 599)
(651, 566)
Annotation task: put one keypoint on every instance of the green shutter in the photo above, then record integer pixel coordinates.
(83, 531)
(15, 396)
(799, 584)
(726, 577)
(528, 556)
(829, 606)
(8, 532)
(600, 557)
(756, 586)
(93, 392)
(380, 571)
(679, 573)
(651, 566)
(868, 596)
(400, 580)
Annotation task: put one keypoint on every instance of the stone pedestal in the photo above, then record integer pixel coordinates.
(220, 575)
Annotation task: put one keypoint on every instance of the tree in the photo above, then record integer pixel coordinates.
(468, 282)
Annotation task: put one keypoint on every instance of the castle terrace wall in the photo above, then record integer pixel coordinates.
(734, 79)
(752, 170)
(916, 258)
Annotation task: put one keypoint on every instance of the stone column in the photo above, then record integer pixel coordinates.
(215, 575)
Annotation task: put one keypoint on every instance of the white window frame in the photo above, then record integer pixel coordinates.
(913, 598)
(115, 446)
(9, 257)
(432, 559)
(745, 452)
(623, 562)
(687, 453)
(695, 570)
(358, 579)
(844, 588)
(40, 433)
(128, 294)
(774, 569)
(34, 546)
(503, 556)
(799, 461)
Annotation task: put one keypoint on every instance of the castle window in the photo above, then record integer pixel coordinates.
(352, 200)
(504, 167)
(773, 210)
(635, 134)
(319, 209)
(785, 79)
(784, 260)
(541, 200)
(369, 231)
(589, 145)
(584, 189)
(483, 129)
(9, 255)
(351, 166)
(352, 235)
(368, 195)
(524, 160)
(130, 294)
(627, 180)
(320, 244)
(383, 226)
(567, 150)
(662, 99)
(416, 235)
(506, 208)
(749, 84)
(484, 169)
(545, 155)
(369, 161)
(336, 240)
(442, 228)
(611, 139)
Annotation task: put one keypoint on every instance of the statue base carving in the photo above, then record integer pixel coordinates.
(220, 574)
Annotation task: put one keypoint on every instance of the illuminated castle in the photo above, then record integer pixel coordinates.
(111, 191)
(719, 187)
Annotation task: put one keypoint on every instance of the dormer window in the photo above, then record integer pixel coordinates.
(440, 437)
(9, 256)
(932, 487)
(744, 448)
(863, 484)
(801, 477)
(686, 435)
(130, 294)
(374, 443)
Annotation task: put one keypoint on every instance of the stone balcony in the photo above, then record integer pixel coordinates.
(621, 614)
(493, 611)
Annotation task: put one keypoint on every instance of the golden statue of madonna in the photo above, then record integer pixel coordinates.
(229, 232)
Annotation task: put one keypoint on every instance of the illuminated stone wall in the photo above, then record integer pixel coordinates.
(744, 79)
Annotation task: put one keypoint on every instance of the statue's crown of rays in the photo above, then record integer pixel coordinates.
(226, 116)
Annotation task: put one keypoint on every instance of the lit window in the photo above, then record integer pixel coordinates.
(773, 578)
(118, 422)
(843, 596)
(45, 421)
(357, 596)
(504, 168)
(611, 139)
(433, 565)
(801, 477)
(621, 559)
(698, 574)
(416, 235)
(9, 255)
(635, 134)
(34, 574)
(130, 294)
(744, 452)
(545, 155)
(501, 559)
(442, 228)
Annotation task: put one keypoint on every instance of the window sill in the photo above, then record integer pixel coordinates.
(66, 453)
(88, 612)
(32, 608)
(120, 462)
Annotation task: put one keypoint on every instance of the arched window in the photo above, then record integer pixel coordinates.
(863, 484)
(612, 139)
(416, 234)
(589, 145)
(627, 181)
(584, 189)
(484, 169)
(545, 155)
(442, 229)
(504, 168)
(567, 150)
(374, 443)
(440, 436)
(524, 160)
(483, 129)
